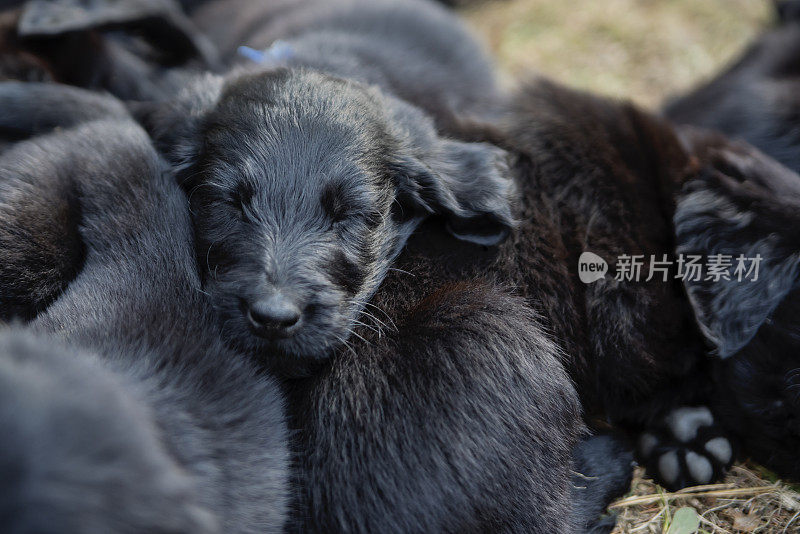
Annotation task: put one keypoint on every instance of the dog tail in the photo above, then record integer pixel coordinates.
(602, 470)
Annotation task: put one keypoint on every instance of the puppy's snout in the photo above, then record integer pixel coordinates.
(274, 316)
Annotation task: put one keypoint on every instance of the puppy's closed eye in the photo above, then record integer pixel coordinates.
(341, 205)
(242, 196)
(334, 203)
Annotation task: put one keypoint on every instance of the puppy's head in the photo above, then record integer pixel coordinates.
(743, 203)
(304, 188)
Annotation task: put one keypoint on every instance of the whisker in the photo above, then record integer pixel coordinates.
(208, 265)
(388, 317)
(402, 271)
(359, 337)
(369, 315)
(365, 325)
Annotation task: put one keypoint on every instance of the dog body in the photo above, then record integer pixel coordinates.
(130, 49)
(747, 204)
(601, 177)
(142, 419)
(450, 420)
(413, 49)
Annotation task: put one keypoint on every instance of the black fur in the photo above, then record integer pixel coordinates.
(457, 416)
(128, 48)
(750, 205)
(414, 49)
(593, 176)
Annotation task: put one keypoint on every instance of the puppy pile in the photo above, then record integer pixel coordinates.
(304, 266)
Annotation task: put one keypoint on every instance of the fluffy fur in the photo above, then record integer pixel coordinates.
(746, 204)
(457, 418)
(594, 176)
(137, 418)
(413, 49)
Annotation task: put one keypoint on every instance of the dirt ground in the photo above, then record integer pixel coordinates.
(646, 50)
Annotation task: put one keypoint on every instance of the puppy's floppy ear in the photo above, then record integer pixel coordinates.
(176, 125)
(469, 184)
(739, 204)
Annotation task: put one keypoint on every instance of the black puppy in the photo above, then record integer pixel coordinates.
(413, 49)
(747, 204)
(137, 418)
(305, 182)
(461, 417)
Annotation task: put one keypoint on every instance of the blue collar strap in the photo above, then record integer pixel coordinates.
(279, 53)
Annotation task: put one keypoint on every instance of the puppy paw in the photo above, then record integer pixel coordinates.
(688, 448)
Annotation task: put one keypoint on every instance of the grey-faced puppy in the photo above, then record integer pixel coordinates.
(307, 174)
(304, 188)
(137, 418)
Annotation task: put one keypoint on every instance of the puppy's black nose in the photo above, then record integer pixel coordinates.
(275, 316)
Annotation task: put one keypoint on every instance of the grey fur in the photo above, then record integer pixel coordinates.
(192, 439)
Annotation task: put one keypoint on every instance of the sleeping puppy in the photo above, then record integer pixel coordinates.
(460, 417)
(126, 48)
(757, 99)
(124, 410)
(305, 182)
(746, 203)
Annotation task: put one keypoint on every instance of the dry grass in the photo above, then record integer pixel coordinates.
(639, 49)
(747, 501)
(645, 50)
